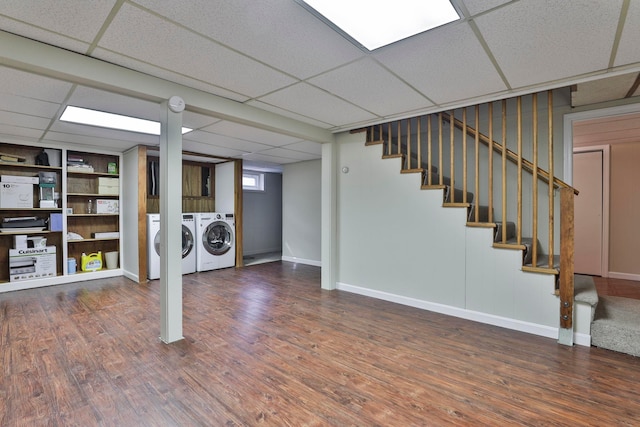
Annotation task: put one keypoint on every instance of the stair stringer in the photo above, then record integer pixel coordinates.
(396, 242)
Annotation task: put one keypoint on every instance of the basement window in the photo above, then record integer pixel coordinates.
(373, 24)
(253, 181)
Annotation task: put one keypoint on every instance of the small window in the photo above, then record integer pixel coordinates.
(253, 181)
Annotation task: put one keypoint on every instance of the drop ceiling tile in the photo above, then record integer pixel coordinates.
(603, 90)
(110, 102)
(546, 40)
(81, 20)
(76, 133)
(213, 150)
(10, 131)
(44, 36)
(33, 86)
(312, 102)
(289, 154)
(168, 75)
(380, 92)
(77, 141)
(23, 120)
(225, 141)
(628, 51)
(260, 157)
(478, 6)
(290, 114)
(146, 37)
(280, 33)
(29, 106)
(248, 133)
(446, 64)
(306, 147)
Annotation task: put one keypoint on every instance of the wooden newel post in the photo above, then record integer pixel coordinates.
(566, 266)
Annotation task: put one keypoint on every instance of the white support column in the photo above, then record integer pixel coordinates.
(171, 220)
(329, 216)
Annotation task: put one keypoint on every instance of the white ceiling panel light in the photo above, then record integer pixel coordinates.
(103, 119)
(374, 24)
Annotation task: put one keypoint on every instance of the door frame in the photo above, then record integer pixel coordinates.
(606, 156)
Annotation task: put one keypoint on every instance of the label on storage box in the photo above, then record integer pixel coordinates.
(106, 206)
(32, 263)
(14, 195)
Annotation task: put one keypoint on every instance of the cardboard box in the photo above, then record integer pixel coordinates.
(106, 206)
(20, 179)
(108, 186)
(32, 263)
(16, 195)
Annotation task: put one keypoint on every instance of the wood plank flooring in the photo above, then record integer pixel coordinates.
(617, 287)
(264, 345)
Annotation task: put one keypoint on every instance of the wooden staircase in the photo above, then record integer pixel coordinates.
(493, 181)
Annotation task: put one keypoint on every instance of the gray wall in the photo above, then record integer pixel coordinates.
(262, 217)
(301, 212)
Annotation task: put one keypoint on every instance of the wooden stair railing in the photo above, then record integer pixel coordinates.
(400, 137)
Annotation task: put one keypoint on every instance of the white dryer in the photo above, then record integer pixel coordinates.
(215, 240)
(188, 245)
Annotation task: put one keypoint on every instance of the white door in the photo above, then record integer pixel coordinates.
(588, 179)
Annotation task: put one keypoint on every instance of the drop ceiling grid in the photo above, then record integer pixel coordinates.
(289, 154)
(101, 100)
(602, 90)
(225, 141)
(35, 33)
(169, 75)
(260, 157)
(140, 35)
(306, 147)
(80, 20)
(446, 64)
(206, 148)
(24, 120)
(546, 40)
(628, 47)
(98, 135)
(291, 114)
(249, 133)
(10, 131)
(478, 6)
(380, 92)
(313, 102)
(33, 86)
(29, 106)
(281, 34)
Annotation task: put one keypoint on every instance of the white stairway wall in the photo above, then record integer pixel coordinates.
(397, 242)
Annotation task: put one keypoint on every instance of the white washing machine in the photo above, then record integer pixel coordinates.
(215, 240)
(188, 233)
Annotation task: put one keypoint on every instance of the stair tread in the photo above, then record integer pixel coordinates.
(616, 325)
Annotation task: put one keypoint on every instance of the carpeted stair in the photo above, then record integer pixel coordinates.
(615, 321)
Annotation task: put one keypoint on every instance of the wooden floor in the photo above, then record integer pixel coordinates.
(617, 287)
(264, 345)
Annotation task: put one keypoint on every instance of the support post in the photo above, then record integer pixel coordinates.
(565, 333)
(170, 220)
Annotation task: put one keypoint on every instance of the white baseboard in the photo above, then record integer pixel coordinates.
(624, 276)
(302, 261)
(476, 316)
(582, 339)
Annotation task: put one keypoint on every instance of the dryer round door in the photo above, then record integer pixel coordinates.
(217, 238)
(188, 241)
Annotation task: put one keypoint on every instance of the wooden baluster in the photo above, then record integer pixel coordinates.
(477, 181)
(490, 115)
(551, 176)
(519, 140)
(381, 138)
(452, 160)
(440, 177)
(409, 162)
(389, 140)
(429, 157)
(504, 171)
(464, 155)
(534, 216)
(419, 141)
(399, 137)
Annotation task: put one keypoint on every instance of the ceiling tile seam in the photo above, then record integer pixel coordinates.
(297, 113)
(46, 30)
(425, 96)
(616, 41)
(105, 25)
(172, 72)
(214, 135)
(232, 49)
(59, 112)
(490, 55)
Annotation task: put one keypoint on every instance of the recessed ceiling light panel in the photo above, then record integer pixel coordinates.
(103, 119)
(378, 23)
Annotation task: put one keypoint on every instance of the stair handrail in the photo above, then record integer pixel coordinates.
(511, 156)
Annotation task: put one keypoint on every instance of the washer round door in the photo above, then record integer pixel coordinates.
(188, 241)
(217, 238)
